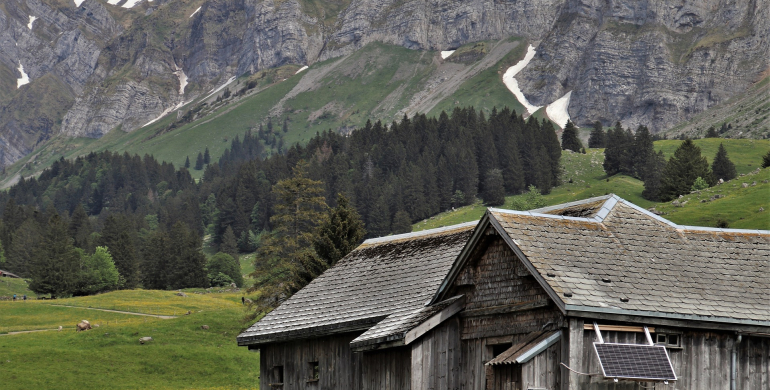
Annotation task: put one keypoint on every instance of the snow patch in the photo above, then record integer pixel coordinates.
(131, 3)
(31, 20)
(196, 11)
(179, 72)
(113, 2)
(557, 110)
(164, 113)
(78, 2)
(221, 87)
(446, 53)
(513, 85)
(300, 69)
(24, 77)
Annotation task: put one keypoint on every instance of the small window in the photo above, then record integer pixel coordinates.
(313, 371)
(277, 376)
(670, 340)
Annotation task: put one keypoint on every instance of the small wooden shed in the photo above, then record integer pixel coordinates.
(595, 294)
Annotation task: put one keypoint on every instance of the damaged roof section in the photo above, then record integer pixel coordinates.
(382, 277)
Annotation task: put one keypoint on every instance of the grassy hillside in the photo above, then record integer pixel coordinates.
(739, 206)
(182, 355)
(378, 82)
(10, 286)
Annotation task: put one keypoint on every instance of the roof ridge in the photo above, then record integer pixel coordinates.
(421, 233)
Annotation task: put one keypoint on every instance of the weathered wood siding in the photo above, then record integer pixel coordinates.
(702, 363)
(436, 358)
(501, 297)
(339, 367)
(543, 371)
(388, 369)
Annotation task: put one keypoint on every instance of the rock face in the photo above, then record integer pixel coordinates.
(652, 62)
(649, 62)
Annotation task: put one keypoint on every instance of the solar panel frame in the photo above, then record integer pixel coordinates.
(672, 377)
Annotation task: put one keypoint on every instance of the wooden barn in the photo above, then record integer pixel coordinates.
(596, 294)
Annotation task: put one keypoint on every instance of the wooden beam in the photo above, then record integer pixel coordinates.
(434, 321)
(506, 308)
(618, 328)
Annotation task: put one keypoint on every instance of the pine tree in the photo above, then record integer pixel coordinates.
(187, 267)
(23, 249)
(712, 133)
(596, 139)
(494, 191)
(80, 229)
(722, 167)
(643, 152)
(341, 233)
(206, 157)
(569, 138)
(285, 126)
(187, 162)
(56, 266)
(682, 169)
(199, 162)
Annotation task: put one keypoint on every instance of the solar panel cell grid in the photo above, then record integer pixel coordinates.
(646, 362)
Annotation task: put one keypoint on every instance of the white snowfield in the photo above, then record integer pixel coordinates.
(78, 2)
(300, 69)
(513, 85)
(131, 3)
(221, 87)
(164, 113)
(182, 80)
(24, 77)
(113, 2)
(196, 11)
(31, 20)
(446, 53)
(557, 110)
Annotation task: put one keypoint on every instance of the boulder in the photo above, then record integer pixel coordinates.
(83, 325)
(181, 294)
(145, 340)
(204, 327)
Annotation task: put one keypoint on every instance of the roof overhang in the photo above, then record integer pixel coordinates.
(359, 325)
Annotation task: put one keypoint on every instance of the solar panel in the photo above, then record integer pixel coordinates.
(635, 361)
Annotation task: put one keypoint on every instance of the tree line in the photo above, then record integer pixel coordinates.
(151, 217)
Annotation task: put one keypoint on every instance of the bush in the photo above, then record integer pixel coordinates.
(699, 184)
(221, 280)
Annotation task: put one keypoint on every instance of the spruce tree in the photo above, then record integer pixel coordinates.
(80, 229)
(116, 237)
(722, 167)
(298, 211)
(682, 169)
(712, 133)
(766, 160)
(402, 223)
(187, 267)
(614, 150)
(643, 153)
(23, 248)
(199, 162)
(596, 139)
(569, 138)
(56, 265)
(341, 233)
(206, 156)
(229, 243)
(187, 162)
(652, 181)
(494, 190)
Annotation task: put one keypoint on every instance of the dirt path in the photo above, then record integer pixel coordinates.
(26, 331)
(122, 312)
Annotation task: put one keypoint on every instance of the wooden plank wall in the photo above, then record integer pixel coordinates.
(339, 367)
(388, 369)
(544, 370)
(436, 358)
(702, 363)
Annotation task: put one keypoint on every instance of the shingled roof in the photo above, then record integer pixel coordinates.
(383, 276)
(619, 259)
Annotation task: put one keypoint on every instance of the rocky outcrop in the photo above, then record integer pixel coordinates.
(652, 63)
